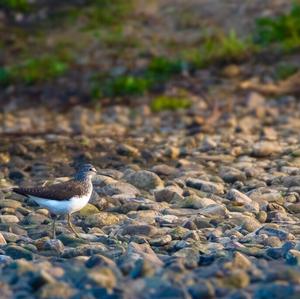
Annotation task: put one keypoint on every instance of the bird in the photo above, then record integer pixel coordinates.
(63, 198)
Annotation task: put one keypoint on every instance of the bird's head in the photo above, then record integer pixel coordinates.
(85, 171)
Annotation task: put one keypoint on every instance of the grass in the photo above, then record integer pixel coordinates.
(283, 31)
(34, 70)
(159, 70)
(162, 103)
(120, 86)
(219, 48)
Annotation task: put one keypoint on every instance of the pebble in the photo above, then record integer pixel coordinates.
(102, 219)
(145, 180)
(205, 186)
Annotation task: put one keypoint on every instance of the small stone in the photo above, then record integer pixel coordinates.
(272, 242)
(262, 216)
(35, 218)
(231, 70)
(168, 194)
(102, 219)
(118, 188)
(293, 257)
(255, 100)
(102, 277)
(205, 186)
(240, 261)
(89, 209)
(5, 260)
(265, 149)
(9, 219)
(140, 229)
(100, 260)
(2, 240)
(136, 252)
(291, 181)
(276, 290)
(172, 152)
(9, 203)
(144, 179)
(294, 208)
(195, 202)
(203, 289)
(17, 252)
(190, 255)
(238, 197)
(53, 245)
(164, 170)
(161, 241)
(127, 150)
(251, 224)
(270, 231)
(215, 210)
(56, 290)
(237, 279)
(6, 291)
(231, 175)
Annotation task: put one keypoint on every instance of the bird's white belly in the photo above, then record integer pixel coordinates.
(59, 207)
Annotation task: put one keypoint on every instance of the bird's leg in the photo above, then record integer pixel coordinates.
(53, 227)
(72, 227)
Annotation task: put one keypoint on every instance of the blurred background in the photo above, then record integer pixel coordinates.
(105, 68)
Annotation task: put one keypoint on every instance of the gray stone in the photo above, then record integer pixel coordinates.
(103, 219)
(9, 219)
(139, 229)
(195, 202)
(291, 181)
(118, 188)
(168, 194)
(231, 175)
(17, 252)
(205, 186)
(145, 180)
(265, 149)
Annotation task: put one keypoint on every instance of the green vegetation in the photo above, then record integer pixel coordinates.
(103, 24)
(159, 70)
(219, 48)
(162, 103)
(107, 12)
(16, 5)
(34, 70)
(283, 71)
(119, 86)
(283, 31)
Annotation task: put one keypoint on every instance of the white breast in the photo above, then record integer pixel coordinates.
(60, 207)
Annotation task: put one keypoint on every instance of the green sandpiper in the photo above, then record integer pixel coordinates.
(64, 198)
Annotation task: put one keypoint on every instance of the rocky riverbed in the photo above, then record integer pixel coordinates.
(180, 209)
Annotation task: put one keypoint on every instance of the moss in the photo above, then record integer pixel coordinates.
(162, 103)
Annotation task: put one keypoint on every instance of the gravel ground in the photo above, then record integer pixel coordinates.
(180, 209)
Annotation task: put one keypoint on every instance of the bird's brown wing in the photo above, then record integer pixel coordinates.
(60, 191)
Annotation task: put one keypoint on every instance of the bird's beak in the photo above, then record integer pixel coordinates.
(95, 170)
